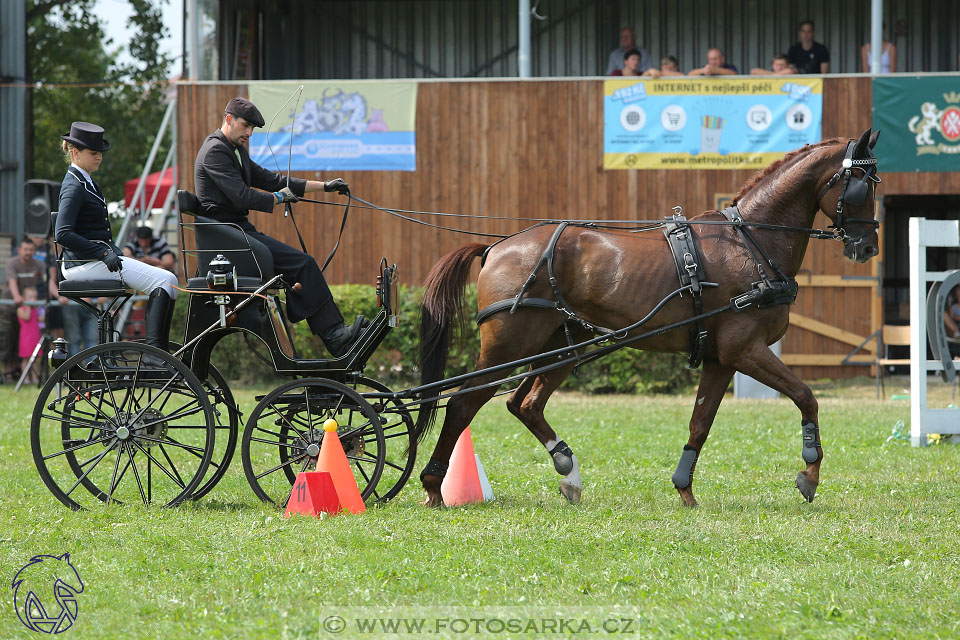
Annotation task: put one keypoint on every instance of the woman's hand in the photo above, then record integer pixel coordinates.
(112, 261)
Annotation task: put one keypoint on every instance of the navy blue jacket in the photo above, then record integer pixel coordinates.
(224, 187)
(83, 226)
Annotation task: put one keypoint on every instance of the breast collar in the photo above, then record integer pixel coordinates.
(86, 185)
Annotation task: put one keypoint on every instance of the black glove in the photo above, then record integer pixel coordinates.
(112, 261)
(337, 184)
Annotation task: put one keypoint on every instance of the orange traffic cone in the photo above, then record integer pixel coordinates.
(313, 493)
(462, 484)
(333, 460)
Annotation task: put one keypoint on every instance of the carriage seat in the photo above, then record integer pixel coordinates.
(251, 257)
(74, 289)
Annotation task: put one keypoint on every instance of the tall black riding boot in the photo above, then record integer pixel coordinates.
(158, 315)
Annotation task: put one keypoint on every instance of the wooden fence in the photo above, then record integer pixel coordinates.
(534, 149)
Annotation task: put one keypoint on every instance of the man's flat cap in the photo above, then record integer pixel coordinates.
(243, 108)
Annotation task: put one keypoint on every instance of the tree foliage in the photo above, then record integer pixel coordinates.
(67, 46)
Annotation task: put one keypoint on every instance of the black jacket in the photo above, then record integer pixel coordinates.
(226, 191)
(83, 226)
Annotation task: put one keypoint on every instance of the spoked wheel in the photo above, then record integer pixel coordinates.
(226, 424)
(122, 422)
(285, 432)
(401, 453)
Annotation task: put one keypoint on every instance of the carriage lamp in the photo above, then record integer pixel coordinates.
(58, 354)
(222, 274)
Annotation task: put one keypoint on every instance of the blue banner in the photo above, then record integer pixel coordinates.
(708, 123)
(339, 126)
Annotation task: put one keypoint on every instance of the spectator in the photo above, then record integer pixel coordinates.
(23, 271)
(888, 57)
(808, 56)
(55, 316)
(628, 41)
(153, 251)
(668, 67)
(781, 67)
(716, 65)
(631, 65)
(31, 331)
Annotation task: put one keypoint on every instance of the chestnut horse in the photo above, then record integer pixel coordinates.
(612, 278)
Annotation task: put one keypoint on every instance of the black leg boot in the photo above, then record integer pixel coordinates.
(338, 338)
(158, 315)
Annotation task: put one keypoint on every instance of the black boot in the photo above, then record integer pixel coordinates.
(158, 315)
(339, 338)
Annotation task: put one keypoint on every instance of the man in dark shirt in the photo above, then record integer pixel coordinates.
(149, 249)
(809, 56)
(229, 184)
(716, 65)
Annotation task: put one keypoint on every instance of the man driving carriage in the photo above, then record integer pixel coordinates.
(229, 184)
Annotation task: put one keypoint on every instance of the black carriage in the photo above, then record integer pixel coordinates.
(126, 422)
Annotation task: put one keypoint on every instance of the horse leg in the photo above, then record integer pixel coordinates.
(498, 345)
(460, 411)
(714, 380)
(527, 404)
(760, 363)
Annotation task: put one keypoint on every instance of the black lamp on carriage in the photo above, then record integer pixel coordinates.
(222, 277)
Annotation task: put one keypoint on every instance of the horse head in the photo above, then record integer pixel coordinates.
(854, 186)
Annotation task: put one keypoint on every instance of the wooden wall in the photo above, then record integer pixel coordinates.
(535, 149)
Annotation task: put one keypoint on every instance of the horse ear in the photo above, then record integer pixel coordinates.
(860, 147)
(873, 138)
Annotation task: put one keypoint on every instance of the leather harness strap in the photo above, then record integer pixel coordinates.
(690, 271)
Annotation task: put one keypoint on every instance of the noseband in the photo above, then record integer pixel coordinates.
(853, 191)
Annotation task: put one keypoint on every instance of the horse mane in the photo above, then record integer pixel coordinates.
(776, 166)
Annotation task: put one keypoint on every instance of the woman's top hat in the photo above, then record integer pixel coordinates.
(86, 136)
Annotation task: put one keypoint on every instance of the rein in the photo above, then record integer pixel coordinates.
(650, 225)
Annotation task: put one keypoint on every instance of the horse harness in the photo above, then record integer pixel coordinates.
(853, 191)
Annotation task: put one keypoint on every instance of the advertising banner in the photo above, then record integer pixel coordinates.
(340, 125)
(708, 123)
(920, 120)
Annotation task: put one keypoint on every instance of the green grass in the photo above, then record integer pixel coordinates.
(875, 556)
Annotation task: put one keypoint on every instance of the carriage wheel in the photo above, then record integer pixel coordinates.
(401, 453)
(226, 424)
(126, 422)
(285, 431)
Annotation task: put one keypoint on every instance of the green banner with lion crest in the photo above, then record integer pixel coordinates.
(920, 119)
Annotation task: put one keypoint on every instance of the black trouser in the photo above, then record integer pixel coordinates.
(314, 302)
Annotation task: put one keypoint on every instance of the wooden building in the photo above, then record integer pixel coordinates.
(534, 149)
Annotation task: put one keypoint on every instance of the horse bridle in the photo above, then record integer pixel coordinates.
(853, 191)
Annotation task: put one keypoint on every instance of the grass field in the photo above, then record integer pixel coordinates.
(877, 555)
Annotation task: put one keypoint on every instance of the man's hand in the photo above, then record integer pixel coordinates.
(112, 261)
(337, 184)
(285, 195)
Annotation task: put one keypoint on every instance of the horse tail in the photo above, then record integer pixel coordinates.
(442, 304)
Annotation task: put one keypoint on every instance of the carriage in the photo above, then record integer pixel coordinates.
(128, 422)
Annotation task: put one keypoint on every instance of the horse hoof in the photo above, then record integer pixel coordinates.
(570, 492)
(688, 501)
(434, 502)
(807, 489)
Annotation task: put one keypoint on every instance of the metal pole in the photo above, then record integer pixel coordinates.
(194, 29)
(876, 35)
(523, 52)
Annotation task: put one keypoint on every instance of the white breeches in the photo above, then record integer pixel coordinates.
(134, 274)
